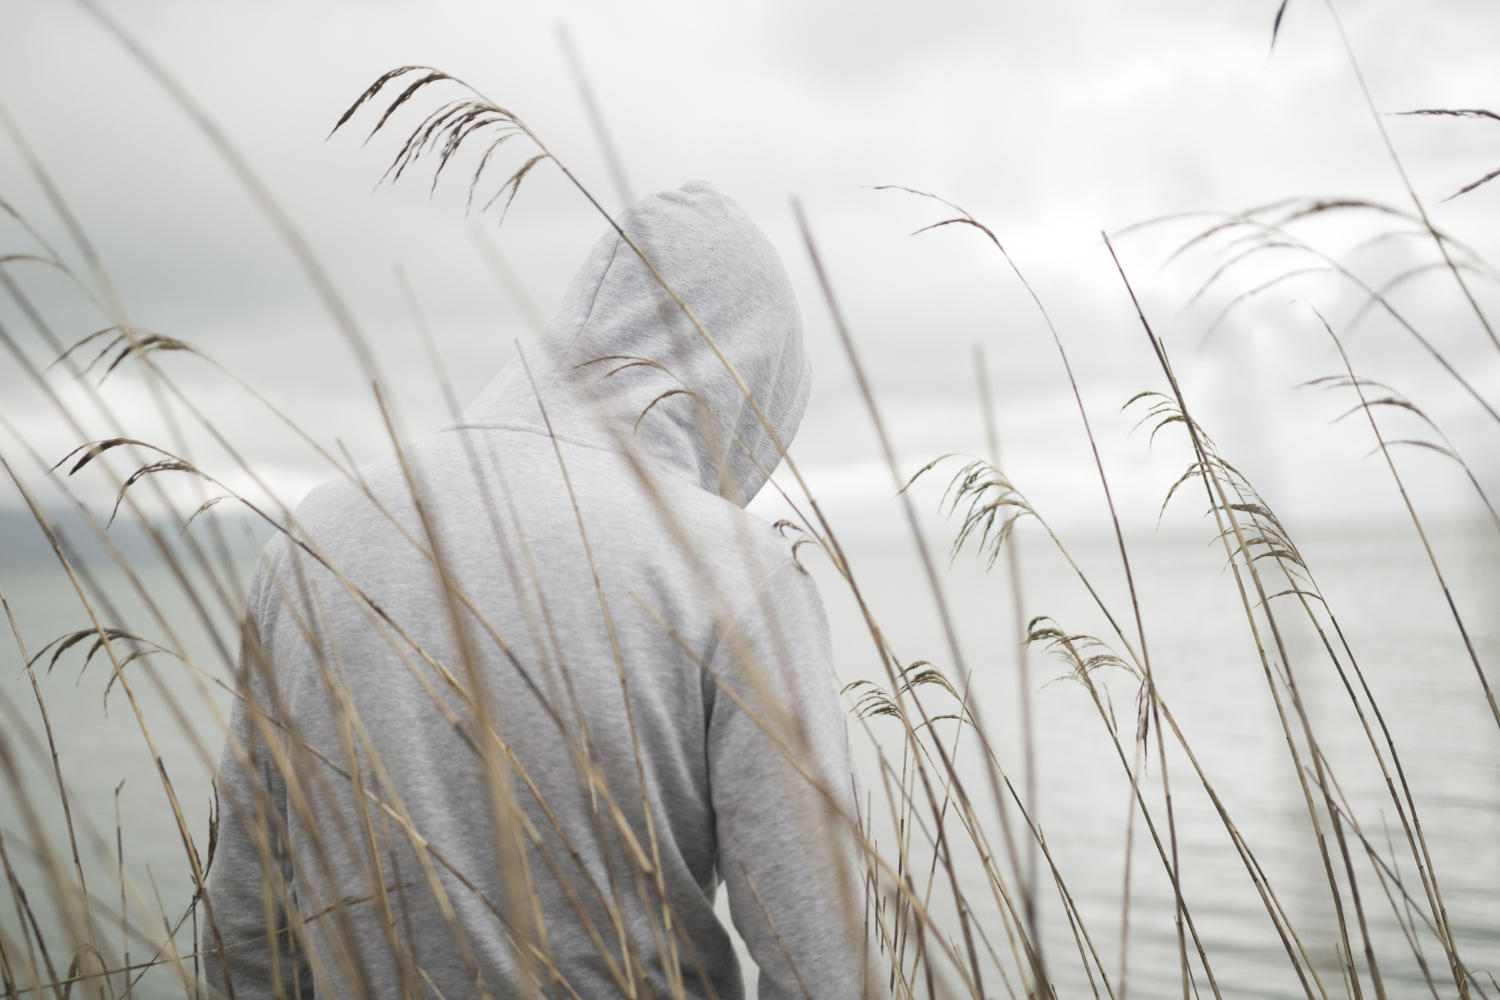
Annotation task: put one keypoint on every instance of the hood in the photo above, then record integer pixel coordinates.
(621, 366)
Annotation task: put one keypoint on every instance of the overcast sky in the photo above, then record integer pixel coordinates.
(1050, 122)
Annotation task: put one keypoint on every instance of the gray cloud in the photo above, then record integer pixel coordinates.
(1050, 122)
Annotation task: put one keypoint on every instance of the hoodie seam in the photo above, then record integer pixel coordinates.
(709, 678)
(565, 438)
(593, 300)
(740, 611)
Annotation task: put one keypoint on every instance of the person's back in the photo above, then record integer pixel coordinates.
(516, 730)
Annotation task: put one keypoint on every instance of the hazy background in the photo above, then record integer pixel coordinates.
(1048, 121)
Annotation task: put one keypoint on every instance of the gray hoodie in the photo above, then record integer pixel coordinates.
(528, 773)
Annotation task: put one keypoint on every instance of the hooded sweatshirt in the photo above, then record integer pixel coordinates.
(516, 702)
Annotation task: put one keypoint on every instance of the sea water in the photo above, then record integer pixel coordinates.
(1378, 581)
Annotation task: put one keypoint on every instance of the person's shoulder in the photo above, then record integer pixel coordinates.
(354, 508)
(323, 516)
(335, 500)
(738, 542)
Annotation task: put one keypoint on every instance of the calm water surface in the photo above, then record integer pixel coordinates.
(1377, 583)
(1382, 589)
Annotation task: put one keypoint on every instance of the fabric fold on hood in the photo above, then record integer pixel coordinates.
(621, 367)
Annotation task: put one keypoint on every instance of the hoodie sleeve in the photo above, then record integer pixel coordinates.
(781, 787)
(249, 945)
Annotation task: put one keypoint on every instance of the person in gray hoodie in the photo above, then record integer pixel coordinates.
(516, 701)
